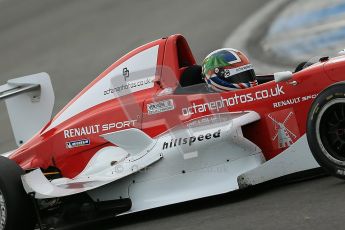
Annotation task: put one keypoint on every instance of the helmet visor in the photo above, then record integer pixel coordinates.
(244, 77)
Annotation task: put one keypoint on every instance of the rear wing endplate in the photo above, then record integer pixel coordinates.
(30, 102)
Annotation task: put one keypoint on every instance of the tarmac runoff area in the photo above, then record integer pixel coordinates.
(318, 31)
(301, 30)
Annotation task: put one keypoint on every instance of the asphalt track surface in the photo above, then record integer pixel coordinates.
(74, 41)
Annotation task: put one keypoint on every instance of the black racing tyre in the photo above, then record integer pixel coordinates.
(326, 129)
(16, 209)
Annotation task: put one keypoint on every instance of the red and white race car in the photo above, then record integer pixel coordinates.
(147, 133)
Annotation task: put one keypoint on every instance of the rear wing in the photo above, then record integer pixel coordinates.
(30, 102)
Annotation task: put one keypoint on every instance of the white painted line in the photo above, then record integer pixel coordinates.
(239, 38)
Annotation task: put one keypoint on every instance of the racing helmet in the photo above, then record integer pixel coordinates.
(228, 69)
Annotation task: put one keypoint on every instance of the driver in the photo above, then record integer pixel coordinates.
(228, 69)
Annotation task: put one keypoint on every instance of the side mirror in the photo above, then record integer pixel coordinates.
(282, 76)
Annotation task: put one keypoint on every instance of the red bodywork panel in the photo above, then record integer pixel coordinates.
(283, 102)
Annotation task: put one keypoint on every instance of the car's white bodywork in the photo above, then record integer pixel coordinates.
(166, 171)
(214, 162)
(296, 158)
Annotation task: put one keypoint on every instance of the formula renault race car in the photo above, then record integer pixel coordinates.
(148, 133)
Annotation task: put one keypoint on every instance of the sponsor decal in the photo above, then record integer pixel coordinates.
(189, 141)
(125, 73)
(95, 129)
(83, 131)
(133, 86)
(234, 100)
(76, 144)
(118, 125)
(293, 101)
(231, 72)
(283, 128)
(160, 107)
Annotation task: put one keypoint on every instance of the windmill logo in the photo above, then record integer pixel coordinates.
(285, 130)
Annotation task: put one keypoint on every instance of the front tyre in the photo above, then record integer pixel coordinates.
(3, 211)
(326, 129)
(16, 210)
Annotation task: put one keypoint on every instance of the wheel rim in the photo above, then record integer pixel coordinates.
(3, 211)
(330, 131)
